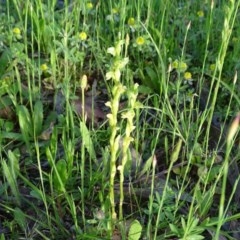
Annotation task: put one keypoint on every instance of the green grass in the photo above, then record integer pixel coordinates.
(119, 119)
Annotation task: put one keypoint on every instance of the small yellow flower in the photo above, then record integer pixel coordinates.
(16, 31)
(44, 67)
(140, 41)
(179, 65)
(131, 21)
(187, 75)
(82, 36)
(89, 5)
(200, 13)
(212, 67)
(175, 64)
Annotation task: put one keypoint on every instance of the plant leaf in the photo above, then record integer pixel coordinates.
(135, 230)
(87, 141)
(10, 176)
(60, 175)
(25, 123)
(20, 218)
(147, 166)
(176, 151)
(4, 61)
(38, 117)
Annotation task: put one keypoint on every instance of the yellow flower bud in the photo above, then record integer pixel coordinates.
(82, 36)
(140, 41)
(44, 67)
(187, 75)
(175, 64)
(131, 21)
(16, 31)
(212, 67)
(200, 13)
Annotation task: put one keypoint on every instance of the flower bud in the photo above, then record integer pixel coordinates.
(233, 128)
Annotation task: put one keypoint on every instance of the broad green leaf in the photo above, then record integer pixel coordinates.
(3, 188)
(135, 230)
(11, 180)
(2, 237)
(145, 89)
(38, 117)
(206, 202)
(183, 223)
(25, 123)
(14, 163)
(147, 167)
(174, 229)
(60, 175)
(36, 194)
(5, 101)
(87, 141)
(176, 151)
(4, 60)
(11, 135)
(153, 77)
(145, 79)
(20, 218)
